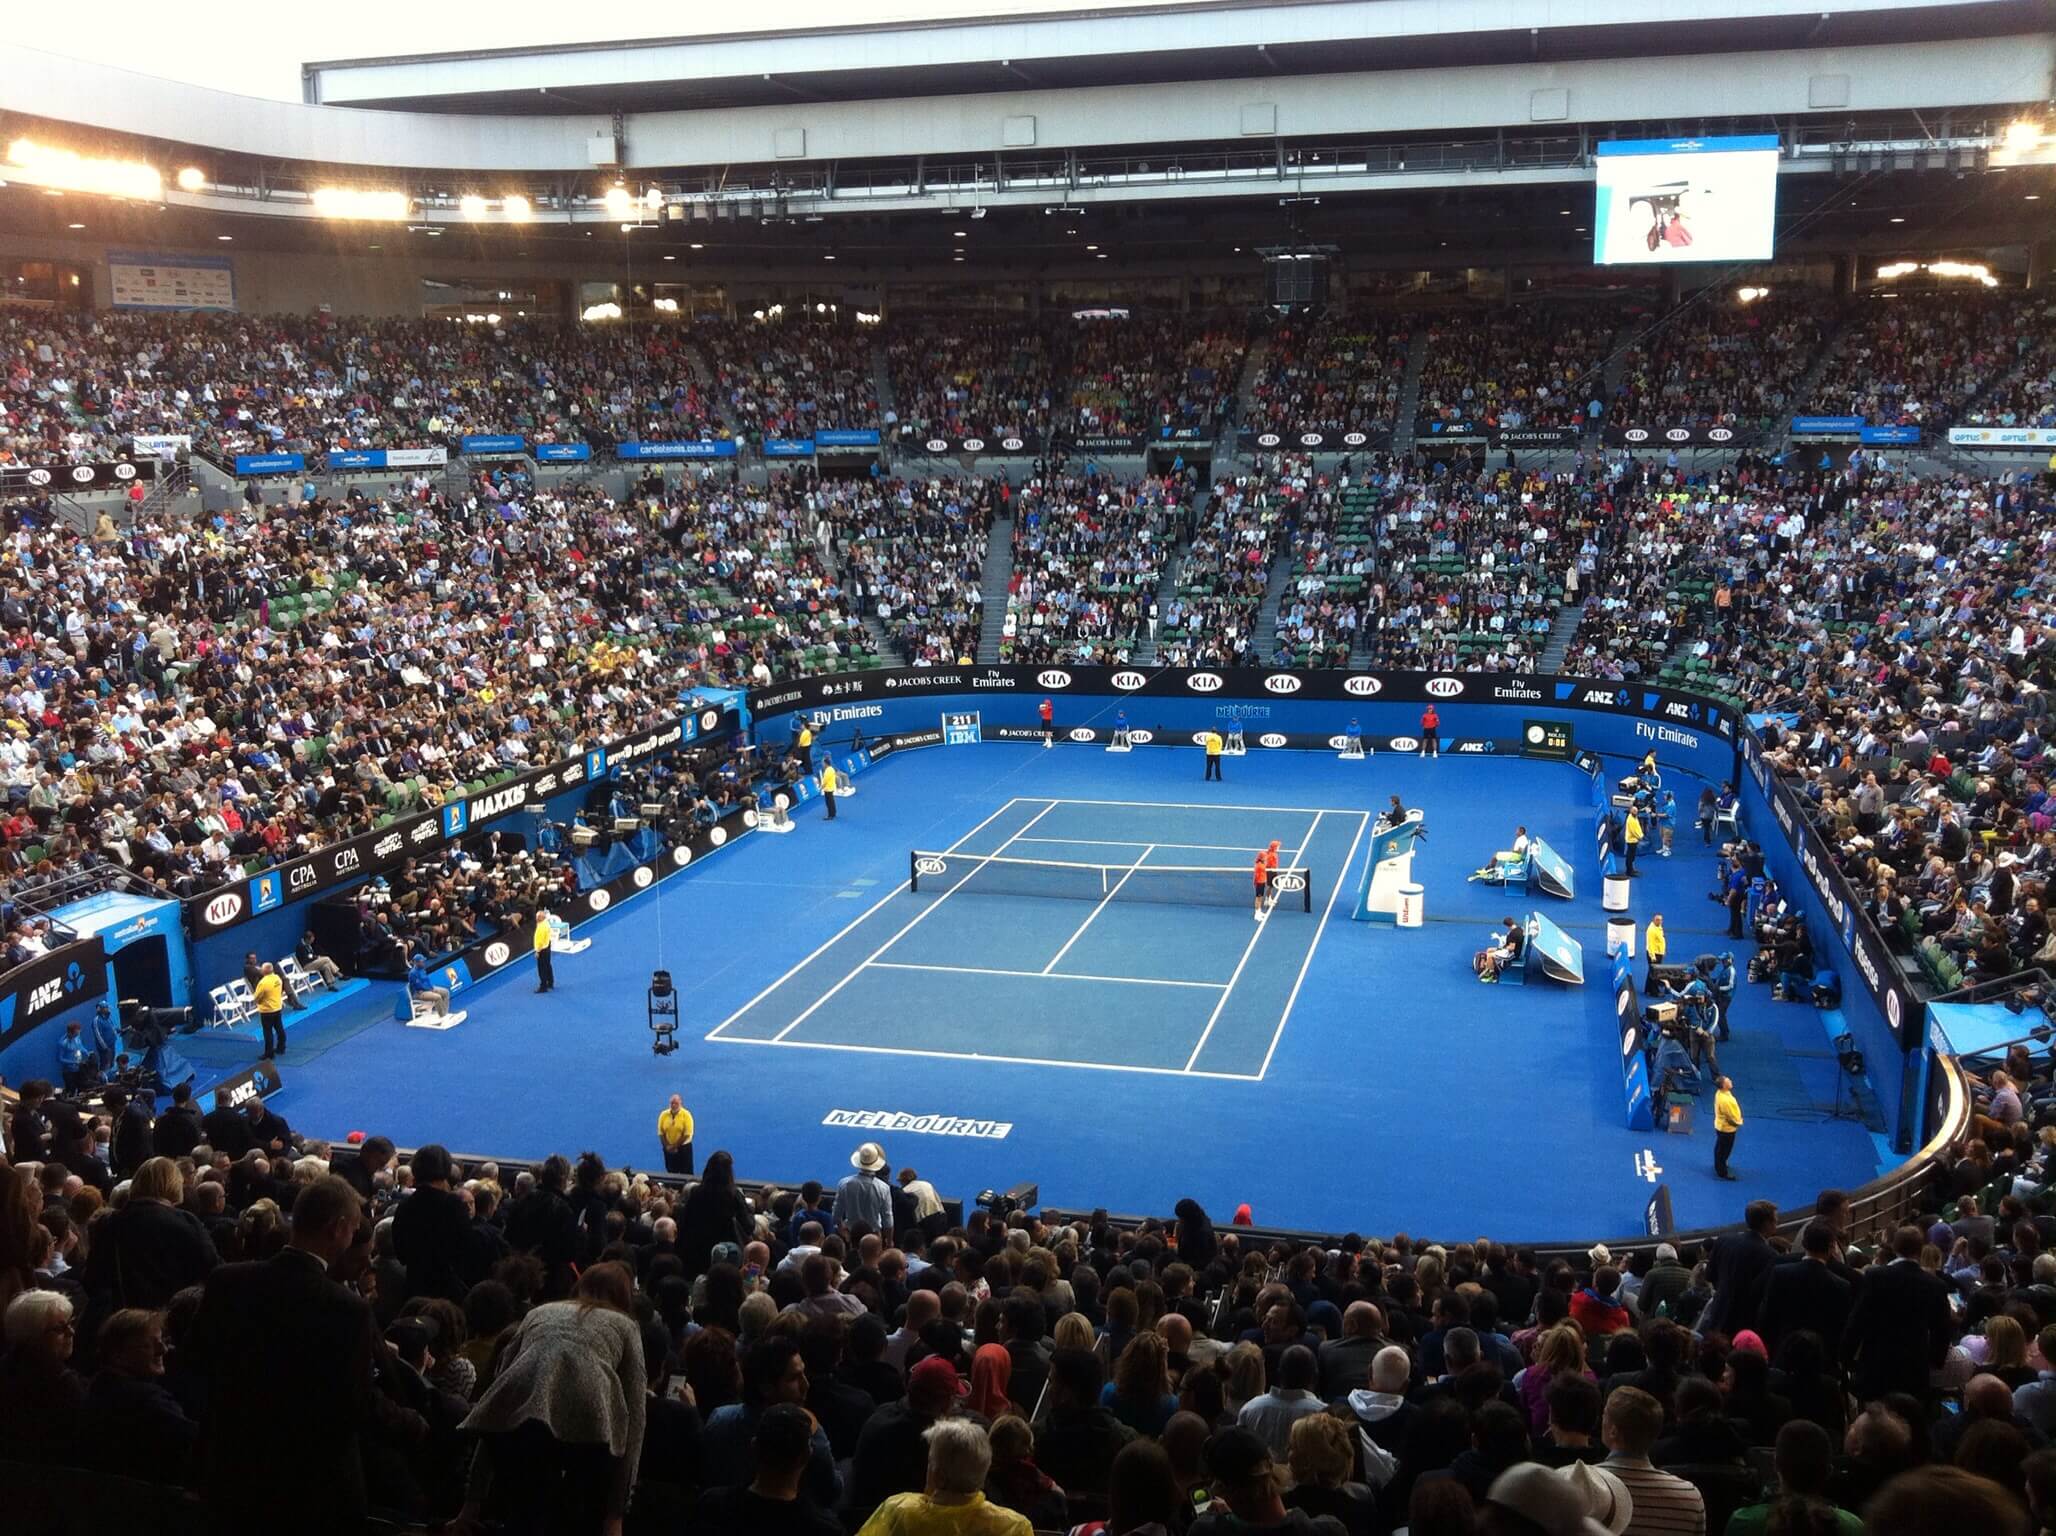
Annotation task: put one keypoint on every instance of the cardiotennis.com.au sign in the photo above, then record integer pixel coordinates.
(917, 1125)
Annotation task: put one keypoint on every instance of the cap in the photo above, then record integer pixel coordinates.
(869, 1158)
(935, 1376)
(1544, 1496)
(1666, 1251)
(1236, 1455)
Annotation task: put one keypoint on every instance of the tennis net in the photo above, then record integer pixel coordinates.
(1179, 885)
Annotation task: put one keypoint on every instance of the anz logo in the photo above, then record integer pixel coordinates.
(1444, 687)
(1282, 682)
(1128, 682)
(47, 994)
(1055, 677)
(1603, 696)
(1361, 686)
(1204, 682)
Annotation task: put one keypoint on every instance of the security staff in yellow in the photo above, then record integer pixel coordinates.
(1214, 744)
(828, 784)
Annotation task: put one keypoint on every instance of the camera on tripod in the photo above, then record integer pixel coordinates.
(1003, 1206)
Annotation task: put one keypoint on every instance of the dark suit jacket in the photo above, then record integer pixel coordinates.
(288, 1355)
(176, 1132)
(1800, 1296)
(1346, 1365)
(1898, 1330)
(432, 1236)
(146, 1253)
(228, 1130)
(1738, 1264)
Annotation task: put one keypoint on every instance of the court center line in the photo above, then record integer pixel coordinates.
(1095, 912)
(853, 924)
(1362, 821)
(1014, 1061)
(1248, 950)
(985, 970)
(908, 927)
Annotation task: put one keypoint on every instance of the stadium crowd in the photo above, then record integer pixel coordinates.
(793, 377)
(1720, 364)
(1211, 618)
(570, 1348)
(1153, 377)
(1521, 366)
(913, 555)
(1337, 373)
(961, 376)
(1918, 358)
(1089, 554)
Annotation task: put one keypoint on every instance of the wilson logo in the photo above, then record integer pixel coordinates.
(1204, 682)
(1444, 687)
(1282, 682)
(1128, 682)
(1053, 678)
(1362, 687)
(1270, 739)
(225, 908)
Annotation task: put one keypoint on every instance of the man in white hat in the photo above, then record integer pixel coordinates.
(863, 1195)
(1546, 1500)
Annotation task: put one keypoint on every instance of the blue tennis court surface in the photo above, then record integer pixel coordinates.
(1146, 955)
(1335, 1074)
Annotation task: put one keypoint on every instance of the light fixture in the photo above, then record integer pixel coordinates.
(671, 258)
(1751, 295)
(1898, 218)
(1101, 257)
(829, 257)
(471, 205)
(2022, 135)
(191, 179)
(1092, 247)
(605, 311)
(668, 306)
(66, 170)
(224, 237)
(696, 246)
(960, 234)
(359, 203)
(653, 198)
(517, 208)
(76, 226)
(2032, 197)
(617, 201)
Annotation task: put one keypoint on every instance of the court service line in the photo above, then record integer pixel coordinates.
(1248, 950)
(1204, 805)
(909, 926)
(1362, 820)
(1095, 912)
(861, 918)
(1013, 1061)
(984, 970)
(1136, 842)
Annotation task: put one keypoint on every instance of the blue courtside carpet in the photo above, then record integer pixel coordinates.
(1334, 1074)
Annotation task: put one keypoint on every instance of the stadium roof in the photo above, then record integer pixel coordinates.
(1198, 40)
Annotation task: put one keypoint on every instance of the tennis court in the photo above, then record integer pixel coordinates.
(1096, 934)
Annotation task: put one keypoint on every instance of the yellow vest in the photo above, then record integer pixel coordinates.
(1213, 744)
(1655, 941)
(1727, 1114)
(543, 936)
(674, 1127)
(828, 779)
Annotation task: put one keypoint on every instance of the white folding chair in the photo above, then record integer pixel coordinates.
(299, 980)
(228, 1012)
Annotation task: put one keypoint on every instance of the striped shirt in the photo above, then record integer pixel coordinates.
(1664, 1505)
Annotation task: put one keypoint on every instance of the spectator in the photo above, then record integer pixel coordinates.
(959, 1457)
(42, 1399)
(150, 1249)
(773, 1502)
(132, 1425)
(1805, 1463)
(774, 1372)
(1252, 1487)
(1078, 1439)
(1898, 1330)
(432, 1233)
(1271, 1416)
(1323, 1459)
(1663, 1504)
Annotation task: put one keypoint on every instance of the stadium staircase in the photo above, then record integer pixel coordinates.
(1611, 377)
(1245, 389)
(1802, 392)
(1145, 653)
(1562, 630)
(993, 580)
(1275, 587)
(1410, 392)
(881, 383)
(704, 375)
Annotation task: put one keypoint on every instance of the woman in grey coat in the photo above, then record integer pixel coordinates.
(561, 1426)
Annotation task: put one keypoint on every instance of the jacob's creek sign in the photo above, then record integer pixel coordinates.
(313, 873)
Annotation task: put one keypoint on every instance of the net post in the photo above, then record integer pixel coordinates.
(1307, 894)
(913, 870)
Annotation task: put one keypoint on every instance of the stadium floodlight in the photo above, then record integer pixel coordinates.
(191, 179)
(359, 203)
(617, 201)
(471, 205)
(2022, 135)
(668, 306)
(65, 170)
(605, 311)
(517, 208)
(1751, 295)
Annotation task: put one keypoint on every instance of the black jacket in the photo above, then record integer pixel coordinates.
(1805, 1295)
(1738, 1264)
(1898, 1330)
(146, 1253)
(432, 1236)
(177, 1131)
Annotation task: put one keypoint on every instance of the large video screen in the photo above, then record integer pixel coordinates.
(1670, 200)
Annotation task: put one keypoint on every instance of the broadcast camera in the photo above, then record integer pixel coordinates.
(1022, 1197)
(663, 1014)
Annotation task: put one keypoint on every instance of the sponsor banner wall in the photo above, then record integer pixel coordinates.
(1312, 439)
(2003, 437)
(150, 280)
(49, 985)
(1836, 426)
(77, 477)
(704, 448)
(248, 464)
(1000, 445)
(492, 442)
(1105, 443)
(225, 907)
(563, 453)
(1885, 436)
(1537, 437)
(1674, 437)
(161, 445)
(846, 437)
(387, 458)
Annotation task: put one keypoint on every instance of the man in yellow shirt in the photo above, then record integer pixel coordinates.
(268, 997)
(674, 1130)
(804, 745)
(828, 783)
(1727, 1119)
(545, 972)
(1631, 839)
(1657, 946)
(1213, 755)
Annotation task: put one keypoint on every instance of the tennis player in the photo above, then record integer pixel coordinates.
(1262, 874)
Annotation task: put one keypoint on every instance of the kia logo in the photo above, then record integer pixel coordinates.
(1677, 435)
(1141, 738)
(82, 474)
(1053, 678)
(973, 444)
(782, 800)
(124, 471)
(1270, 739)
(1719, 434)
(1199, 738)
(1081, 734)
(224, 908)
(717, 836)
(1128, 681)
(1292, 882)
(1204, 682)
(936, 445)
(1354, 439)
(496, 953)
(1405, 744)
(710, 719)
(643, 876)
(1636, 434)
(39, 477)
(1012, 444)
(599, 900)
(749, 817)
(929, 867)
(1282, 682)
(1337, 742)
(1268, 440)
(1362, 687)
(681, 856)
(1444, 687)
(1310, 439)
